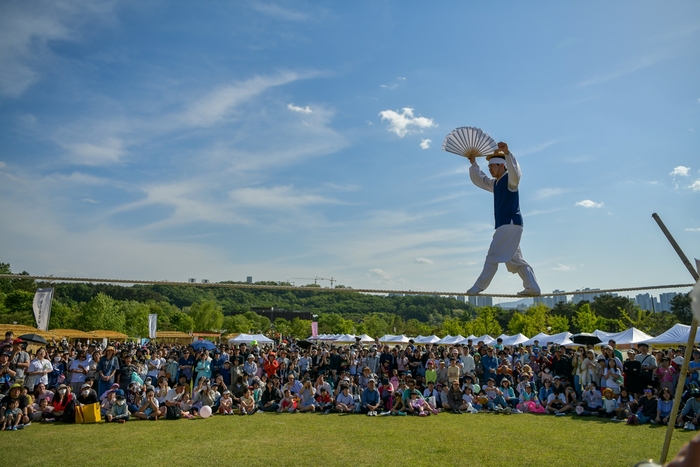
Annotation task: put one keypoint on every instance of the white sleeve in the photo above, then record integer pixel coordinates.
(479, 178)
(514, 173)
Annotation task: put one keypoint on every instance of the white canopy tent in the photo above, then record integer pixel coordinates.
(514, 340)
(627, 337)
(389, 339)
(488, 340)
(345, 338)
(426, 339)
(366, 339)
(678, 335)
(248, 338)
(541, 338)
(449, 340)
(563, 338)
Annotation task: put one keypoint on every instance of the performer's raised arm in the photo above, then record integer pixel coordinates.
(478, 177)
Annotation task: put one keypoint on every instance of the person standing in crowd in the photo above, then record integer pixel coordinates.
(648, 364)
(38, 370)
(107, 368)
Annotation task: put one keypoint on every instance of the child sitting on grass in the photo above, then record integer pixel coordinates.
(398, 408)
(609, 408)
(13, 415)
(288, 403)
(421, 406)
(247, 405)
(226, 403)
(119, 412)
(325, 401)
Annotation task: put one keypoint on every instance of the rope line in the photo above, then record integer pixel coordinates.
(342, 289)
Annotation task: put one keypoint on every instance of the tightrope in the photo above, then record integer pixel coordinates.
(340, 289)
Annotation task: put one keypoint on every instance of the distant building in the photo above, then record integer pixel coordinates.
(249, 279)
(551, 302)
(192, 280)
(205, 281)
(484, 301)
(586, 294)
(665, 301)
(644, 301)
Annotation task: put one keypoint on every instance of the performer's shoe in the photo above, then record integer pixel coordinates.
(474, 291)
(528, 292)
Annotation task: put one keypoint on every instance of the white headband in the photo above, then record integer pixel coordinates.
(497, 160)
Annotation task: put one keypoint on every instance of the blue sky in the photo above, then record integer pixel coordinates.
(219, 140)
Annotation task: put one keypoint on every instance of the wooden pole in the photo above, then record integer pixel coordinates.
(688, 348)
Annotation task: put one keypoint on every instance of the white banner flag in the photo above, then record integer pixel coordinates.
(152, 325)
(42, 308)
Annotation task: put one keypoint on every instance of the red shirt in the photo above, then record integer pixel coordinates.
(271, 367)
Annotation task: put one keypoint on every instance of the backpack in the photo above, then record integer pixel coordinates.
(173, 413)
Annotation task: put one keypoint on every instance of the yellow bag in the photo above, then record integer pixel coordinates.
(89, 413)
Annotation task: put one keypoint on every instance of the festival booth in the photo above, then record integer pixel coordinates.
(345, 339)
(250, 338)
(390, 339)
(486, 339)
(173, 337)
(451, 340)
(514, 340)
(677, 335)
(365, 339)
(426, 339)
(563, 338)
(541, 338)
(73, 335)
(111, 336)
(625, 338)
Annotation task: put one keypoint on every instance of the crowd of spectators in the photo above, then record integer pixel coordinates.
(170, 381)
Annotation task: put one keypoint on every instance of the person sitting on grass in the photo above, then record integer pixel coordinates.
(149, 409)
(690, 415)
(13, 415)
(508, 393)
(420, 406)
(344, 402)
(454, 400)
(307, 401)
(226, 403)
(15, 394)
(545, 391)
(247, 404)
(39, 409)
(592, 399)
(399, 408)
(625, 405)
(556, 402)
(529, 402)
(370, 399)
(663, 407)
(496, 401)
(609, 408)
(119, 412)
(108, 402)
(288, 403)
(647, 407)
(270, 398)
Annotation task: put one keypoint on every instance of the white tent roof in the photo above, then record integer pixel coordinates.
(514, 340)
(488, 340)
(627, 337)
(678, 334)
(248, 338)
(394, 339)
(345, 338)
(563, 338)
(366, 338)
(427, 339)
(541, 337)
(448, 340)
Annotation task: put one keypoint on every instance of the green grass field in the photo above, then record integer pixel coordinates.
(312, 439)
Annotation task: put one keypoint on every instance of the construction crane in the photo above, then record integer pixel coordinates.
(316, 279)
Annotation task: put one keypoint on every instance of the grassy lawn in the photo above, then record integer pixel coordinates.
(312, 439)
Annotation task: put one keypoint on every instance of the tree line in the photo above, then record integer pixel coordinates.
(125, 309)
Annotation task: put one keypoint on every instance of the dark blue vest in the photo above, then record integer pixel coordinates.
(506, 203)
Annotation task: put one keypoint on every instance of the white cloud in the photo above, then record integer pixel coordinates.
(563, 267)
(295, 108)
(680, 171)
(537, 148)
(109, 152)
(691, 229)
(405, 123)
(543, 193)
(389, 86)
(278, 12)
(279, 197)
(423, 261)
(28, 28)
(425, 143)
(218, 104)
(2, 165)
(89, 200)
(695, 186)
(587, 203)
(381, 273)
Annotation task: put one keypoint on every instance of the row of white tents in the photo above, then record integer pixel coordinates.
(677, 335)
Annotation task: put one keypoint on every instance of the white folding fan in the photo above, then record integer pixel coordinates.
(469, 141)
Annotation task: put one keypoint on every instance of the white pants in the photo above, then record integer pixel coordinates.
(505, 248)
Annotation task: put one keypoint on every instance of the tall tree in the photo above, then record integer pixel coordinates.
(207, 315)
(680, 307)
(102, 312)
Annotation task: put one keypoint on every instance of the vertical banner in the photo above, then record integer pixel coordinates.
(314, 329)
(42, 308)
(152, 325)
